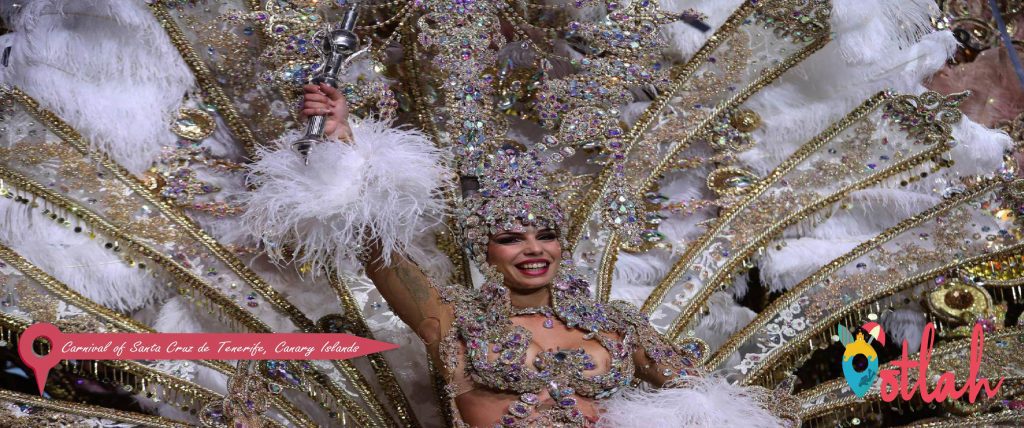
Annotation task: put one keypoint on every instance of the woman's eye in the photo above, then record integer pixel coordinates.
(506, 240)
(547, 235)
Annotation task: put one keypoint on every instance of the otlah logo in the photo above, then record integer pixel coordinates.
(860, 361)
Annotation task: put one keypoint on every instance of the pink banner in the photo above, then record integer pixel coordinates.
(188, 346)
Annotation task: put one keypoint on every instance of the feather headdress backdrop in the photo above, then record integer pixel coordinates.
(749, 174)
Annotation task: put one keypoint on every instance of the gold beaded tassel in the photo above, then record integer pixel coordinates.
(9, 336)
(161, 392)
(201, 302)
(171, 396)
(137, 382)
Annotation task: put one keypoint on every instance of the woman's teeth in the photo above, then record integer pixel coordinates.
(533, 265)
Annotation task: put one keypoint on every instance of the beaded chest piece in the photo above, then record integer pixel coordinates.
(496, 348)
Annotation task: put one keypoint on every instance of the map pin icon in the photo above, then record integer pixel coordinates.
(860, 366)
(40, 364)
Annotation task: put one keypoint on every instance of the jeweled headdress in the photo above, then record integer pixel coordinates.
(507, 192)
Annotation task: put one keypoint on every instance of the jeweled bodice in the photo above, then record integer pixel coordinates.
(497, 349)
(504, 364)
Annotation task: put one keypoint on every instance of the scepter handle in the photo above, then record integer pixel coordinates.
(341, 44)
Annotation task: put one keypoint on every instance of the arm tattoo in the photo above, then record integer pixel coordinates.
(412, 281)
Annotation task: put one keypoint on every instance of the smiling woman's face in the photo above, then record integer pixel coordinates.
(527, 259)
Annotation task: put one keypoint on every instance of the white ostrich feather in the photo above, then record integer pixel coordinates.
(683, 39)
(724, 318)
(83, 264)
(798, 259)
(871, 211)
(378, 188)
(177, 316)
(978, 149)
(863, 25)
(706, 402)
(806, 100)
(106, 67)
(635, 275)
(905, 324)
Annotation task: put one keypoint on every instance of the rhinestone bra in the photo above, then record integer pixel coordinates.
(499, 360)
(496, 348)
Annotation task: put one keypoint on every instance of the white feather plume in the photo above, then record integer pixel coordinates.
(707, 402)
(905, 324)
(862, 26)
(724, 318)
(870, 211)
(83, 264)
(805, 100)
(683, 39)
(635, 275)
(798, 259)
(106, 67)
(978, 149)
(378, 188)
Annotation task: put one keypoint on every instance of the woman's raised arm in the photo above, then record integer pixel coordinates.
(401, 282)
(411, 294)
(367, 184)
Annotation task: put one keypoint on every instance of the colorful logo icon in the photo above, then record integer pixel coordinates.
(860, 361)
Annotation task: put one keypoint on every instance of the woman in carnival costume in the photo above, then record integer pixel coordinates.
(689, 163)
(531, 347)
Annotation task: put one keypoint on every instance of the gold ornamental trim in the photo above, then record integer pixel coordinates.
(693, 250)
(246, 319)
(122, 322)
(89, 411)
(205, 78)
(683, 73)
(606, 271)
(794, 293)
(796, 344)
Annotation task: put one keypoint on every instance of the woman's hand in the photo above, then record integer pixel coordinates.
(323, 100)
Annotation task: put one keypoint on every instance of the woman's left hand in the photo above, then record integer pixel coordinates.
(324, 100)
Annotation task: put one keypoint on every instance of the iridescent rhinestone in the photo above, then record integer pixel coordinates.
(519, 409)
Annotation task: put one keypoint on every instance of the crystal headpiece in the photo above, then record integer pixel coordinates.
(507, 192)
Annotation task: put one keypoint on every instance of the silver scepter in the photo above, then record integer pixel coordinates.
(340, 46)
